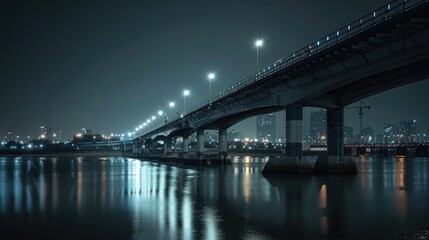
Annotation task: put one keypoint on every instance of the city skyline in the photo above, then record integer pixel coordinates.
(267, 129)
(70, 65)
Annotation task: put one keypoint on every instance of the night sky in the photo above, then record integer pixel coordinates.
(109, 65)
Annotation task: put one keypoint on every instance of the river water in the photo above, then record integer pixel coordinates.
(124, 198)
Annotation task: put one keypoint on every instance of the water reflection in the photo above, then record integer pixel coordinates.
(120, 198)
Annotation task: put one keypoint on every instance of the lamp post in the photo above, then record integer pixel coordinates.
(160, 115)
(185, 94)
(258, 44)
(211, 76)
(171, 104)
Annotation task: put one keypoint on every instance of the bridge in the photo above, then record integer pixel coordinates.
(382, 50)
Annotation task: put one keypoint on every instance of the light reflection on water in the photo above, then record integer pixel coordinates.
(120, 198)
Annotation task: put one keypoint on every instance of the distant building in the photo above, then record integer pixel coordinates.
(266, 128)
(368, 135)
(232, 135)
(378, 138)
(211, 136)
(46, 133)
(408, 131)
(89, 138)
(10, 137)
(86, 131)
(390, 133)
(318, 126)
(348, 134)
(423, 137)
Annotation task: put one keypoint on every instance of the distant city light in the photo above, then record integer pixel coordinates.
(186, 92)
(172, 104)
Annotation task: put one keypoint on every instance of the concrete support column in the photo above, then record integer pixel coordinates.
(335, 132)
(222, 144)
(185, 145)
(293, 162)
(147, 146)
(200, 142)
(168, 146)
(335, 161)
(135, 148)
(154, 147)
(294, 130)
(165, 147)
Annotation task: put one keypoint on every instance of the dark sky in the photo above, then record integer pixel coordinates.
(109, 65)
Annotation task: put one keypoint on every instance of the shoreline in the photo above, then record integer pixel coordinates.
(68, 154)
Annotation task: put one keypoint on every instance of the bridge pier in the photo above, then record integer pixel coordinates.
(154, 148)
(222, 144)
(147, 146)
(138, 147)
(168, 146)
(185, 148)
(293, 161)
(335, 161)
(200, 143)
(135, 148)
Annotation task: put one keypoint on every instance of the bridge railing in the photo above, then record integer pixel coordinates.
(368, 21)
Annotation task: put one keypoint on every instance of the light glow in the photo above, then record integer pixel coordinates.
(259, 43)
(211, 76)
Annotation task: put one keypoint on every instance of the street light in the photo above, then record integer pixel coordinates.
(185, 94)
(211, 76)
(258, 44)
(160, 115)
(171, 104)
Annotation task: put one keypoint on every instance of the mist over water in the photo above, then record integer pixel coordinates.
(123, 198)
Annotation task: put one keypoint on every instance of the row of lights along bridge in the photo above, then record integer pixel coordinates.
(162, 116)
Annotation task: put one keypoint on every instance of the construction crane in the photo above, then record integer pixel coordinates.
(360, 107)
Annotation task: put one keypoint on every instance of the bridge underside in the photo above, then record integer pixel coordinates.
(375, 84)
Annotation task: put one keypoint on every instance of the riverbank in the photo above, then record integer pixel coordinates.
(69, 154)
(423, 234)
